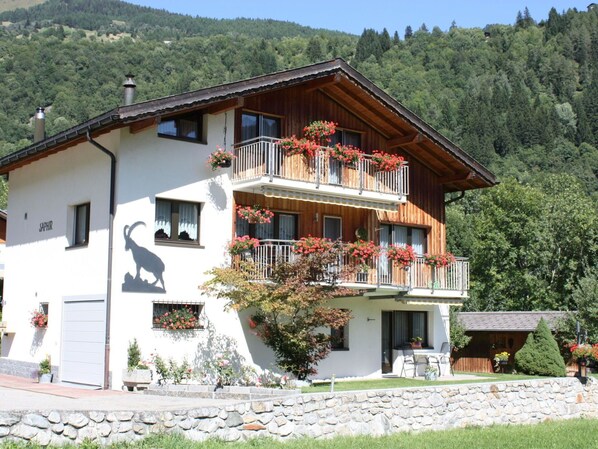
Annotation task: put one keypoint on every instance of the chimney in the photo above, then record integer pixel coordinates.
(129, 86)
(39, 123)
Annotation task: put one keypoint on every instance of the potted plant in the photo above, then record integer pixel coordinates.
(39, 319)
(255, 214)
(402, 255)
(304, 147)
(137, 375)
(416, 342)
(582, 352)
(320, 131)
(312, 245)
(501, 358)
(430, 373)
(242, 244)
(386, 162)
(439, 260)
(45, 371)
(347, 154)
(220, 159)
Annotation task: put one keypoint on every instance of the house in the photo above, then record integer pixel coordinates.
(494, 332)
(116, 221)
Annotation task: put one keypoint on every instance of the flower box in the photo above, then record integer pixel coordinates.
(386, 162)
(439, 260)
(255, 214)
(402, 255)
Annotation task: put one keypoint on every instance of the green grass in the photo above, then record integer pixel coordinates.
(573, 434)
(404, 382)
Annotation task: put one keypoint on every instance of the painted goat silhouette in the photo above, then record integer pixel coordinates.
(143, 258)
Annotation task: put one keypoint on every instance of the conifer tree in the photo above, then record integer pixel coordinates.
(540, 355)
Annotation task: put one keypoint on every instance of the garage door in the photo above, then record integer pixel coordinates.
(83, 332)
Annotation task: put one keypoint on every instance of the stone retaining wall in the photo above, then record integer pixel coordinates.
(324, 415)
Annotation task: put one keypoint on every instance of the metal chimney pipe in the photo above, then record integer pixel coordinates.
(39, 127)
(129, 86)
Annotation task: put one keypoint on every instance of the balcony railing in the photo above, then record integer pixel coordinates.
(263, 157)
(381, 272)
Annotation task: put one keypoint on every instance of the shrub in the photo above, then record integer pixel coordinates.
(540, 355)
(133, 355)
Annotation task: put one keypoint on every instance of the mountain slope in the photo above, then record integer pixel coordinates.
(119, 16)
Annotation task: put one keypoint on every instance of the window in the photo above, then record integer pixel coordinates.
(176, 221)
(333, 229)
(282, 227)
(345, 137)
(408, 325)
(339, 338)
(178, 316)
(403, 235)
(81, 225)
(186, 127)
(258, 125)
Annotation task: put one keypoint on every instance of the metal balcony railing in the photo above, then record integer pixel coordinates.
(380, 271)
(263, 157)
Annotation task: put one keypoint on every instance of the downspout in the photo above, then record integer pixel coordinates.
(110, 244)
(457, 198)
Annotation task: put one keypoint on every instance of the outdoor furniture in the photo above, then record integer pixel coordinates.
(410, 358)
(443, 357)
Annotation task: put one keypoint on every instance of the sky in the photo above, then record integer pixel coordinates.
(394, 15)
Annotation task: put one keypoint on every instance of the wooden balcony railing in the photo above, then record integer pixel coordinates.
(380, 272)
(263, 157)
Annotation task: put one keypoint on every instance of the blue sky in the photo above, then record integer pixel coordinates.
(377, 14)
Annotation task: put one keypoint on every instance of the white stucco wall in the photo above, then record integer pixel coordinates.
(39, 266)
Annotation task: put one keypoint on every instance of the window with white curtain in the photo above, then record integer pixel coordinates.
(404, 235)
(176, 221)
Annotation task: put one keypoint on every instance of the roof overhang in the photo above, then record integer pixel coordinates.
(455, 169)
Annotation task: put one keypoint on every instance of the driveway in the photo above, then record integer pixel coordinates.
(18, 393)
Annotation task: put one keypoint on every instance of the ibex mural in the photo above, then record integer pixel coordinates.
(145, 259)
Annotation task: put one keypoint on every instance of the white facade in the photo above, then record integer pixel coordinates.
(43, 268)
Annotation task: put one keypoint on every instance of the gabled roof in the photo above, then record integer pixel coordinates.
(507, 321)
(337, 79)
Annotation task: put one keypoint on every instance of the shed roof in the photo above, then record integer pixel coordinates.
(508, 321)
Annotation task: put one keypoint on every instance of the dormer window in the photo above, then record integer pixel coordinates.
(184, 127)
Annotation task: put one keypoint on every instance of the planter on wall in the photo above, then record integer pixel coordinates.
(137, 379)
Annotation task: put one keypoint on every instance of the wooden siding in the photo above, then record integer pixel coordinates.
(478, 355)
(298, 107)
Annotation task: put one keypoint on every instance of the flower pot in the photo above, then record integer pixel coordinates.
(225, 164)
(136, 379)
(430, 375)
(46, 378)
(416, 345)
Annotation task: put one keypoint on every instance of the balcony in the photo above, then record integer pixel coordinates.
(262, 165)
(383, 278)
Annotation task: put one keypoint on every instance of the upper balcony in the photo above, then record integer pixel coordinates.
(381, 279)
(261, 164)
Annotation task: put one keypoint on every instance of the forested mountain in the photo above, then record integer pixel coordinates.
(521, 98)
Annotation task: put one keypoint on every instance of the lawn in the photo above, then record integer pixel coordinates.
(404, 382)
(573, 434)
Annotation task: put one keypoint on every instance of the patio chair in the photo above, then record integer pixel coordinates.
(410, 358)
(442, 358)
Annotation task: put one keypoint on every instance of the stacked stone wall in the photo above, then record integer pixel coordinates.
(324, 415)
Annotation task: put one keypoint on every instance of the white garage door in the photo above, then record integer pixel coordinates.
(83, 329)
